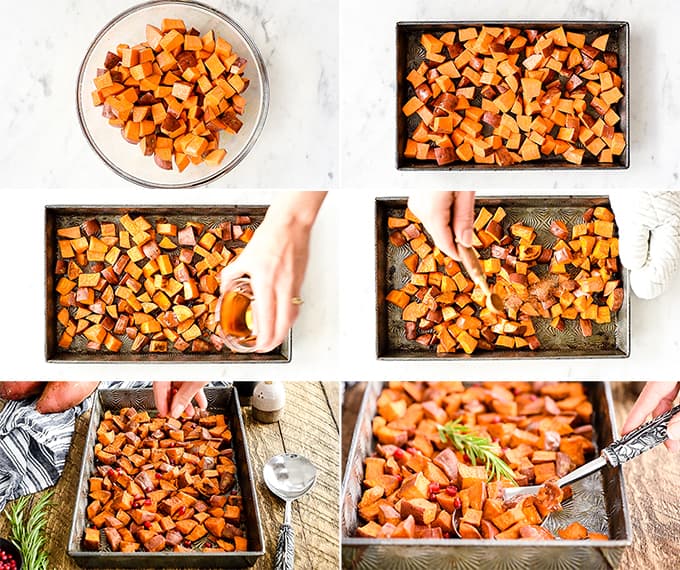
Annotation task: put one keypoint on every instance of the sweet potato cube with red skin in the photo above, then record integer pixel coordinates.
(434, 412)
(406, 528)
(447, 461)
(415, 487)
(388, 514)
(155, 544)
(536, 532)
(469, 474)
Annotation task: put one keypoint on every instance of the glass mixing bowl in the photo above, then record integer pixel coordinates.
(127, 159)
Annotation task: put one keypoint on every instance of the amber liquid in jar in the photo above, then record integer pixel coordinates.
(236, 317)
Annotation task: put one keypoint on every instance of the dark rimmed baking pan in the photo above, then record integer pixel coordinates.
(608, 340)
(224, 400)
(410, 54)
(65, 216)
(599, 503)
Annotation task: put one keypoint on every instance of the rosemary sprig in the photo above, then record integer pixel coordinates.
(477, 448)
(27, 524)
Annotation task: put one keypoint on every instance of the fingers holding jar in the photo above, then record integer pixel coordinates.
(261, 290)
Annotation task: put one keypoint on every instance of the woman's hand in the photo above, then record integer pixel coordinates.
(173, 398)
(655, 399)
(276, 261)
(447, 216)
(649, 230)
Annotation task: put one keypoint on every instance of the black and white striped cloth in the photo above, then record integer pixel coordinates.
(34, 446)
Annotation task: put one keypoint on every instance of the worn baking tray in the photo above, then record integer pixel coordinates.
(599, 503)
(64, 216)
(410, 54)
(608, 340)
(224, 400)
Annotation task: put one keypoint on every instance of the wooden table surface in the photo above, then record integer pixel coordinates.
(309, 426)
(652, 488)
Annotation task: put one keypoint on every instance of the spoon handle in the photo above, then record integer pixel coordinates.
(639, 440)
(285, 548)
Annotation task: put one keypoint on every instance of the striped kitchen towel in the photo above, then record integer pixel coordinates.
(33, 447)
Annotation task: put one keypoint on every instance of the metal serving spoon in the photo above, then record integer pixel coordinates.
(635, 443)
(289, 476)
(474, 268)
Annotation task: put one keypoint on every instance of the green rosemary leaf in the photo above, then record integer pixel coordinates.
(27, 524)
(478, 448)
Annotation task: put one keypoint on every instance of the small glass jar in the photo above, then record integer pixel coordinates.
(236, 316)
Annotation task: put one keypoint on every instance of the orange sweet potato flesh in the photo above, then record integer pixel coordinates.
(173, 94)
(430, 483)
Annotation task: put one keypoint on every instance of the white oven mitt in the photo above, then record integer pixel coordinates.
(649, 238)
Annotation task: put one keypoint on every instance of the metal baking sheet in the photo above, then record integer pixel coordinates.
(599, 503)
(66, 216)
(410, 54)
(224, 400)
(608, 340)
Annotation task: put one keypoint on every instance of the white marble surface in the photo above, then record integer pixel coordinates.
(368, 94)
(22, 291)
(42, 143)
(655, 338)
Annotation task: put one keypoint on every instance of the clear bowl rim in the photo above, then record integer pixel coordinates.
(263, 108)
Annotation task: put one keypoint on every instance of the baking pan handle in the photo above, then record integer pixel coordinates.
(639, 440)
(285, 548)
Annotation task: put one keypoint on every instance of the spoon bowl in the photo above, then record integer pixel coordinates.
(289, 476)
(474, 268)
